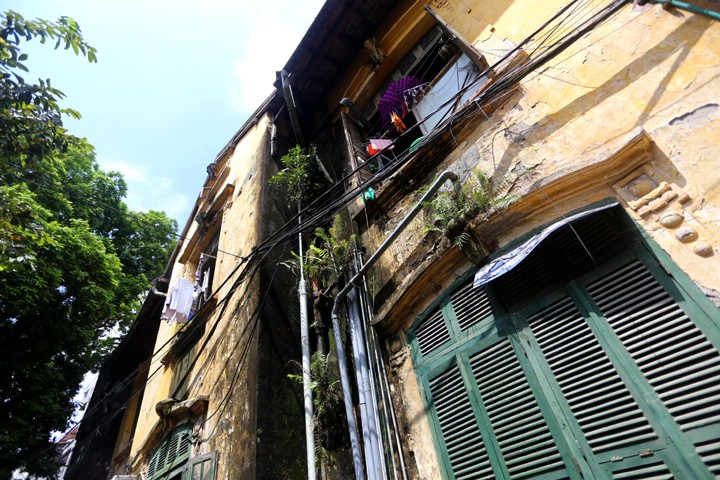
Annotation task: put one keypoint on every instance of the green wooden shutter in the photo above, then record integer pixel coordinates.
(675, 357)
(609, 369)
(461, 437)
(432, 333)
(526, 445)
(471, 305)
(605, 411)
(172, 453)
(201, 467)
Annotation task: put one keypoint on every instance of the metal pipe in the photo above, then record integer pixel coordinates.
(392, 415)
(305, 344)
(349, 412)
(352, 427)
(366, 316)
(388, 407)
(367, 415)
(690, 8)
(357, 113)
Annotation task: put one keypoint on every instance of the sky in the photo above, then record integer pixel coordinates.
(175, 79)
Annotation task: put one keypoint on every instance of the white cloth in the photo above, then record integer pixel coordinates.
(179, 301)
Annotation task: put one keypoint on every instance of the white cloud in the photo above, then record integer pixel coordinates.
(277, 28)
(148, 189)
(132, 173)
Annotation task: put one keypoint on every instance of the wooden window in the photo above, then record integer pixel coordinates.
(608, 369)
(168, 461)
(201, 467)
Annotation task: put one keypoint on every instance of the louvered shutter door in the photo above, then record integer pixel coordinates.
(162, 457)
(172, 452)
(432, 333)
(471, 305)
(675, 357)
(527, 447)
(599, 400)
(460, 432)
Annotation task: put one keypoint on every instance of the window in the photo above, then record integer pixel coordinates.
(579, 369)
(427, 77)
(171, 460)
(201, 467)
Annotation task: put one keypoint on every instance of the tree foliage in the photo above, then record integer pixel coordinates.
(299, 178)
(74, 260)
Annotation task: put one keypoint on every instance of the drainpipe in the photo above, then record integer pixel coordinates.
(373, 404)
(305, 344)
(368, 414)
(354, 442)
(685, 6)
(376, 384)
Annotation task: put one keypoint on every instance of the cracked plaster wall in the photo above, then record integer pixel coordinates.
(645, 68)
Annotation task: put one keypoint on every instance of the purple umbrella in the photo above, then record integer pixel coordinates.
(394, 97)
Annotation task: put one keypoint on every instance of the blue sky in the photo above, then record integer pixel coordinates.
(175, 79)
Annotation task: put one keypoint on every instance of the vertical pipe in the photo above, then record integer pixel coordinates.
(368, 414)
(349, 412)
(372, 377)
(342, 366)
(391, 407)
(305, 344)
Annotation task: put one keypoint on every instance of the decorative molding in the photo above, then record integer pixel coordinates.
(652, 197)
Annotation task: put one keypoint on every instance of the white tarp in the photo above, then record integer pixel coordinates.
(512, 259)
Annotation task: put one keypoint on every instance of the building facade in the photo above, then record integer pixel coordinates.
(567, 326)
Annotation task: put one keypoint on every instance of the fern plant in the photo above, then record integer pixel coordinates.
(328, 256)
(452, 212)
(327, 404)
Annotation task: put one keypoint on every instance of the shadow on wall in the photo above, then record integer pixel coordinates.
(679, 42)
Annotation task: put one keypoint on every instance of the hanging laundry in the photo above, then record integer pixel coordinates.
(368, 194)
(179, 302)
(378, 144)
(394, 100)
(399, 125)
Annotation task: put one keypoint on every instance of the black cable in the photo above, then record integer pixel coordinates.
(323, 215)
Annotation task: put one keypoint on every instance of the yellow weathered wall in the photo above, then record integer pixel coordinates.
(646, 70)
(214, 369)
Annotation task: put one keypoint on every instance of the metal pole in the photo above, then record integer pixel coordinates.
(352, 427)
(690, 8)
(305, 344)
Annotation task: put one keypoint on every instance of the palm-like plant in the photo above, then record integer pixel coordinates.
(452, 213)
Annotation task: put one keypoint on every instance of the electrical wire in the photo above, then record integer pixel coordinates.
(501, 88)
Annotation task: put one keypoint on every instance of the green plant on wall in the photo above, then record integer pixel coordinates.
(329, 255)
(453, 212)
(326, 260)
(299, 177)
(327, 404)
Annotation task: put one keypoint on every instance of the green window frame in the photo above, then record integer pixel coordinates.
(548, 365)
(201, 467)
(168, 461)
